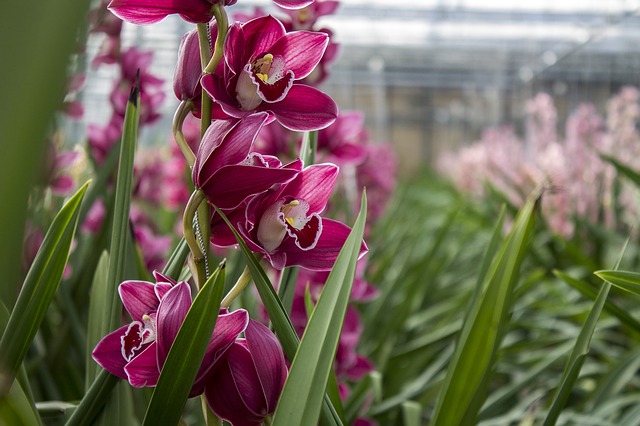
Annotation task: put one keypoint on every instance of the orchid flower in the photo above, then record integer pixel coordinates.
(262, 63)
(304, 18)
(286, 226)
(194, 11)
(137, 351)
(342, 142)
(245, 388)
(225, 171)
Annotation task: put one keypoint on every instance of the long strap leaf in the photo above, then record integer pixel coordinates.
(578, 354)
(303, 393)
(38, 290)
(277, 314)
(467, 376)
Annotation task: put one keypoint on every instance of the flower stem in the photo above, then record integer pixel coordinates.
(198, 250)
(223, 26)
(205, 56)
(178, 119)
(209, 417)
(239, 286)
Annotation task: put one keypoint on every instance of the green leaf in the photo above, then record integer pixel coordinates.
(94, 400)
(309, 147)
(303, 392)
(464, 389)
(411, 413)
(625, 280)
(18, 406)
(587, 290)
(38, 290)
(277, 313)
(187, 351)
(122, 204)
(578, 355)
(176, 260)
(287, 286)
(98, 315)
(34, 71)
(115, 411)
(623, 169)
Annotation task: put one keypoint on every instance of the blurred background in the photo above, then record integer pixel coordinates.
(432, 74)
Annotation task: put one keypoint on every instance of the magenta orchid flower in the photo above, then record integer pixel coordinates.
(247, 385)
(286, 226)
(137, 351)
(194, 11)
(262, 63)
(224, 169)
(151, 11)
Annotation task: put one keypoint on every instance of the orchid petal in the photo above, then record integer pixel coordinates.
(259, 35)
(246, 379)
(108, 353)
(224, 398)
(228, 327)
(273, 92)
(293, 4)
(234, 48)
(268, 360)
(186, 77)
(231, 185)
(151, 11)
(313, 185)
(307, 237)
(139, 298)
(162, 289)
(162, 278)
(171, 313)
(226, 143)
(302, 51)
(143, 369)
(304, 108)
(221, 235)
(325, 7)
(324, 254)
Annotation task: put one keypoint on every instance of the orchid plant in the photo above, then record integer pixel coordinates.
(163, 320)
(241, 274)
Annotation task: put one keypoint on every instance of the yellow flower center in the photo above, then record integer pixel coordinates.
(262, 66)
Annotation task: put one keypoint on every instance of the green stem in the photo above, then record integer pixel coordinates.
(181, 114)
(187, 224)
(223, 26)
(205, 56)
(239, 286)
(210, 418)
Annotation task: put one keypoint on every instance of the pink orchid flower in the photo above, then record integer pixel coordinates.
(342, 142)
(194, 11)
(224, 169)
(262, 64)
(286, 226)
(247, 385)
(305, 18)
(137, 351)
